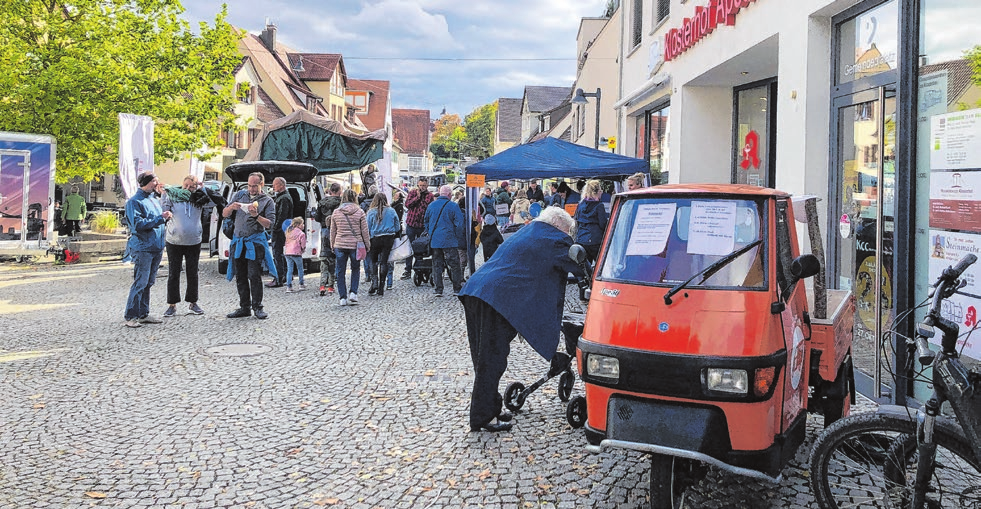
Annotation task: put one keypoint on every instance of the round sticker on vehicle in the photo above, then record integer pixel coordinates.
(797, 358)
(845, 226)
(663, 327)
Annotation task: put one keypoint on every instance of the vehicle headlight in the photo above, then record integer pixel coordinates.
(602, 366)
(733, 381)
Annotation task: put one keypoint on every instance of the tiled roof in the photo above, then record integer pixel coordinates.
(377, 101)
(411, 130)
(317, 66)
(265, 109)
(546, 98)
(281, 77)
(958, 76)
(509, 119)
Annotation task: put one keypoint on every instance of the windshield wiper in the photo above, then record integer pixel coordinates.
(711, 269)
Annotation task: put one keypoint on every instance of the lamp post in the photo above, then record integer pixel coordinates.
(580, 98)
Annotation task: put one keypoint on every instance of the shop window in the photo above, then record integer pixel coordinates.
(754, 112)
(657, 146)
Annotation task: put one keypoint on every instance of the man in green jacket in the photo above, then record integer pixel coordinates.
(73, 212)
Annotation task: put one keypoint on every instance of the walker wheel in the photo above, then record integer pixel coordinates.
(575, 412)
(566, 381)
(514, 396)
(417, 278)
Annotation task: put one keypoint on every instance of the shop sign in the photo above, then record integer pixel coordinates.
(706, 19)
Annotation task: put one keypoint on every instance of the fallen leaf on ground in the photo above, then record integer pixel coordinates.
(95, 494)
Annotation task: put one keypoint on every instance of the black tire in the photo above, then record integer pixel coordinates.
(566, 383)
(869, 460)
(575, 412)
(222, 266)
(667, 490)
(417, 278)
(514, 396)
(837, 401)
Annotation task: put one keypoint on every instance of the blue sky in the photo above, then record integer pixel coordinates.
(381, 39)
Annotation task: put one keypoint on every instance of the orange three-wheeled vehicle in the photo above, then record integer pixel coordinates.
(700, 344)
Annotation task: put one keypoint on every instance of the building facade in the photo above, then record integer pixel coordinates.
(871, 105)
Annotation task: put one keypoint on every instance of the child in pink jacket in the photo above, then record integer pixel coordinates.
(296, 242)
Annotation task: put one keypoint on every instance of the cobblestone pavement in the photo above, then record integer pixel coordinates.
(355, 407)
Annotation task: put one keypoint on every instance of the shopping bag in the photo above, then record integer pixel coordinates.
(401, 250)
(362, 252)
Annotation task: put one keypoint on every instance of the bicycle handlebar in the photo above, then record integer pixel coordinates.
(952, 273)
(947, 284)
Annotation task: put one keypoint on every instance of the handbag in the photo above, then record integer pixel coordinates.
(401, 250)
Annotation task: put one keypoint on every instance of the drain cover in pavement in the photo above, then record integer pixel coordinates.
(237, 350)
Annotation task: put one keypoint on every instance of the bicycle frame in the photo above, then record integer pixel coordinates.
(952, 383)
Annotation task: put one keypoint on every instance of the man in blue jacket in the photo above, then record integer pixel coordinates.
(253, 212)
(521, 289)
(147, 224)
(447, 232)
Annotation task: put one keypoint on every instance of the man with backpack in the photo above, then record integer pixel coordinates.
(325, 208)
(447, 232)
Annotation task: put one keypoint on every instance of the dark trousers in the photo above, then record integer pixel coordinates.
(490, 338)
(190, 256)
(248, 280)
(381, 248)
(328, 259)
(413, 233)
(278, 244)
(72, 227)
(450, 258)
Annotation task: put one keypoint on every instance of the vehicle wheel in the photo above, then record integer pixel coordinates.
(514, 396)
(667, 488)
(575, 412)
(869, 460)
(223, 266)
(417, 278)
(566, 382)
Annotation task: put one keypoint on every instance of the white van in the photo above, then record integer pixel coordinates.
(300, 183)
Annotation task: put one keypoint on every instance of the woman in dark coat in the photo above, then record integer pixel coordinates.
(591, 219)
(521, 289)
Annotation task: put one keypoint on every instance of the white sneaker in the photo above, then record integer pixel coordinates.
(134, 323)
(343, 302)
(353, 298)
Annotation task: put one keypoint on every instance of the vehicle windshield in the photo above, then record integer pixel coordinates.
(666, 241)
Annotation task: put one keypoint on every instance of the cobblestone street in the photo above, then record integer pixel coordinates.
(354, 407)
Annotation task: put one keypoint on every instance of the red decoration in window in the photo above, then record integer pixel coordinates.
(751, 151)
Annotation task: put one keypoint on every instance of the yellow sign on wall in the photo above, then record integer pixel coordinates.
(612, 142)
(475, 180)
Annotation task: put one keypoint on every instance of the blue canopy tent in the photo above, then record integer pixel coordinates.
(554, 158)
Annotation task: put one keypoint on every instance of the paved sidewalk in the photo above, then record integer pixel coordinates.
(355, 407)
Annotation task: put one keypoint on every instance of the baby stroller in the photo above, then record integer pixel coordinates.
(422, 262)
(561, 364)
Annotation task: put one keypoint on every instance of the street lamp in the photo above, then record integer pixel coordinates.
(580, 98)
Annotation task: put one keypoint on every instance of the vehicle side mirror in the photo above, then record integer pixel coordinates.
(578, 254)
(805, 266)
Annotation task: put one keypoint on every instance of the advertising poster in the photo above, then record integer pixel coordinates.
(947, 248)
(712, 229)
(650, 233)
(955, 200)
(955, 141)
(963, 310)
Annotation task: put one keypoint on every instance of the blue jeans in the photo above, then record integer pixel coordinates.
(412, 232)
(343, 256)
(145, 265)
(294, 261)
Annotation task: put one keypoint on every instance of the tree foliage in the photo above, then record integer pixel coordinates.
(68, 69)
(480, 130)
(973, 57)
(447, 132)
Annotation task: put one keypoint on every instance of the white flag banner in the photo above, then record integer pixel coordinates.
(197, 165)
(135, 149)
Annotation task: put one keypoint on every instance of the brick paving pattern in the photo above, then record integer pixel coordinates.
(354, 407)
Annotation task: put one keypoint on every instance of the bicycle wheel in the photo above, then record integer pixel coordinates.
(869, 460)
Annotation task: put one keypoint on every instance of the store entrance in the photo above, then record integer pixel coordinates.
(862, 226)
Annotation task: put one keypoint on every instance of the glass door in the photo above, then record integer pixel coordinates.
(863, 225)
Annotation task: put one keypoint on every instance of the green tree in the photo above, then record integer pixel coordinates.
(68, 68)
(442, 144)
(480, 130)
(973, 57)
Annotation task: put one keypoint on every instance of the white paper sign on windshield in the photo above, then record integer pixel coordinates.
(652, 226)
(712, 228)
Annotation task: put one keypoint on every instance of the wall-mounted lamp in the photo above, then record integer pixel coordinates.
(580, 98)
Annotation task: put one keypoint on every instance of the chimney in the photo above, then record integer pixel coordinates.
(268, 36)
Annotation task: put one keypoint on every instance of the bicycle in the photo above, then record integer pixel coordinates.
(901, 457)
